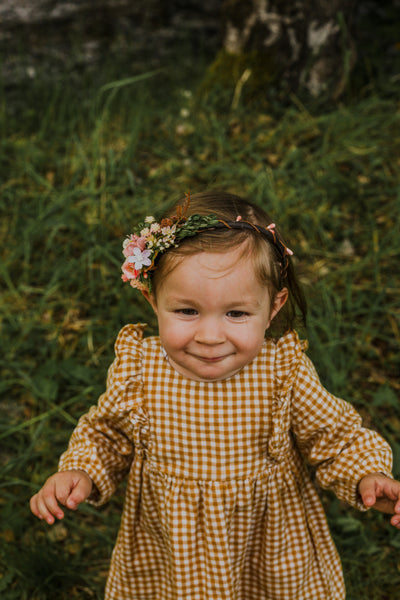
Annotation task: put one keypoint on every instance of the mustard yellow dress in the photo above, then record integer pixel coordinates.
(219, 504)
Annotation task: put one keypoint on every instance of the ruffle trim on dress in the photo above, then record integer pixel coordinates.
(288, 353)
(129, 342)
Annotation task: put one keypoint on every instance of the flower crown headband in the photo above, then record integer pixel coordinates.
(152, 238)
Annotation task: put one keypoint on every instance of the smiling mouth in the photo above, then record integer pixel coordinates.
(210, 359)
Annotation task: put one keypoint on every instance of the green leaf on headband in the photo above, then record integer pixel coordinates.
(194, 224)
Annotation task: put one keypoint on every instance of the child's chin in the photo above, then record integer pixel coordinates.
(206, 369)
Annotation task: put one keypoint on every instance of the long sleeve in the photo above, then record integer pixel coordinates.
(329, 433)
(102, 444)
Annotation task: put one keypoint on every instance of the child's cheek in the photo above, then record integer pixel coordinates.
(175, 334)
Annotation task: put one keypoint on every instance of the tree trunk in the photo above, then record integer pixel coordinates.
(305, 44)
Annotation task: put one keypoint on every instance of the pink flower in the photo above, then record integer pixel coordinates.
(129, 271)
(132, 242)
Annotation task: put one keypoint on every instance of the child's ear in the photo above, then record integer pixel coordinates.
(151, 300)
(279, 301)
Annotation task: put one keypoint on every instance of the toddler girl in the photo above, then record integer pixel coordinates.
(213, 423)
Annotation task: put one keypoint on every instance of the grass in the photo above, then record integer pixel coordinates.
(80, 163)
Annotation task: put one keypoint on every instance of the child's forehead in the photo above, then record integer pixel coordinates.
(211, 270)
(217, 263)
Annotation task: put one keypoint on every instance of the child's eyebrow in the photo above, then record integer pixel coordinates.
(176, 299)
(244, 306)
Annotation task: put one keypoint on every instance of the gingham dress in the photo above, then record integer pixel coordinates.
(219, 504)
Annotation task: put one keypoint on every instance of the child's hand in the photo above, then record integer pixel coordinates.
(70, 488)
(381, 493)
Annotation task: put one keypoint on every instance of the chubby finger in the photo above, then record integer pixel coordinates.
(388, 493)
(45, 503)
(395, 521)
(34, 507)
(384, 505)
(45, 506)
(392, 490)
(79, 493)
(367, 491)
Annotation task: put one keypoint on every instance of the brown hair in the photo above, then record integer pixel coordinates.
(266, 259)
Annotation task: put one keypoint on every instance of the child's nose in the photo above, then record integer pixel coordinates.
(209, 331)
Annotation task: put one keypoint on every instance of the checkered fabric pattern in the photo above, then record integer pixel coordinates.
(219, 503)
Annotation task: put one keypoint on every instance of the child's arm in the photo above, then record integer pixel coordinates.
(103, 443)
(381, 493)
(68, 488)
(329, 433)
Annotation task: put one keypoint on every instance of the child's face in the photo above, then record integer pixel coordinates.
(212, 315)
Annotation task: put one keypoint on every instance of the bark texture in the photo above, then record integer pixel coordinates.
(308, 42)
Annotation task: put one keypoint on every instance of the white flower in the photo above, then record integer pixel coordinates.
(168, 231)
(149, 219)
(140, 258)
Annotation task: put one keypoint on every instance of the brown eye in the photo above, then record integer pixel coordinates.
(186, 311)
(237, 314)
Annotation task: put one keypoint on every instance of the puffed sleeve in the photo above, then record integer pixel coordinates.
(329, 432)
(102, 444)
